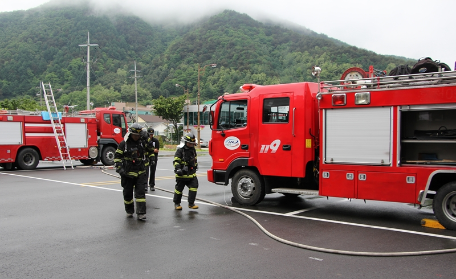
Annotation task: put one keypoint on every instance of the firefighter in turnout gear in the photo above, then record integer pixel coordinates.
(153, 146)
(131, 163)
(185, 166)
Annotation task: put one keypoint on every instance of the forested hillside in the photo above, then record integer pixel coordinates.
(43, 44)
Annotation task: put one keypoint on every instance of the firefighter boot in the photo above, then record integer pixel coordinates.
(192, 198)
(142, 217)
(129, 208)
(177, 206)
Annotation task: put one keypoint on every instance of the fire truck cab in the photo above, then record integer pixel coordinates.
(372, 138)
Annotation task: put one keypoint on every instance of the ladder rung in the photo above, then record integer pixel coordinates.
(64, 151)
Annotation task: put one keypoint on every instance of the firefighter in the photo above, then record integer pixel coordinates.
(153, 146)
(185, 166)
(131, 163)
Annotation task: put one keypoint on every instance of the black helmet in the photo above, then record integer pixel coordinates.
(150, 130)
(189, 137)
(135, 129)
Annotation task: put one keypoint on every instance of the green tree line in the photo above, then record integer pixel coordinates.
(43, 45)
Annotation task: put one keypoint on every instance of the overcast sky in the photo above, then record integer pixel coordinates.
(414, 29)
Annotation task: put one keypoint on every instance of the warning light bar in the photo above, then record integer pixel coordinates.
(339, 100)
(247, 87)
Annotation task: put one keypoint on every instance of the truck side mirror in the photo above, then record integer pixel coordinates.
(211, 118)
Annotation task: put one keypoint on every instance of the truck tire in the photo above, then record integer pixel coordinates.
(247, 187)
(27, 159)
(445, 205)
(107, 156)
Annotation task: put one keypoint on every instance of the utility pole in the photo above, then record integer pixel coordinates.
(136, 91)
(88, 45)
(188, 103)
(198, 99)
(41, 94)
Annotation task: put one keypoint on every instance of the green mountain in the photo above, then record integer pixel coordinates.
(43, 44)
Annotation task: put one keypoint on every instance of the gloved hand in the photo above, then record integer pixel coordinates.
(120, 171)
(178, 172)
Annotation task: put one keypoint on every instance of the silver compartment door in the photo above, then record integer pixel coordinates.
(358, 136)
(11, 133)
(76, 135)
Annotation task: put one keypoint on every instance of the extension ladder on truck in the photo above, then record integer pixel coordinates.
(57, 126)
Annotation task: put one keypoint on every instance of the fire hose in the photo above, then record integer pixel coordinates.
(309, 247)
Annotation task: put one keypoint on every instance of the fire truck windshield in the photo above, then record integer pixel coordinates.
(232, 115)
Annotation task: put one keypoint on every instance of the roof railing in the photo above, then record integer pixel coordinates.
(20, 112)
(390, 82)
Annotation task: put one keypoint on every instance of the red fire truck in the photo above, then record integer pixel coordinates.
(27, 137)
(373, 138)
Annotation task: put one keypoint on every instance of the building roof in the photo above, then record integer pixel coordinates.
(148, 118)
(130, 106)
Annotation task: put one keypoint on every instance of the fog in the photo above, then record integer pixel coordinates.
(411, 29)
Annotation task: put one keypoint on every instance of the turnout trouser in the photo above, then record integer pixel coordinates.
(192, 185)
(135, 185)
(151, 171)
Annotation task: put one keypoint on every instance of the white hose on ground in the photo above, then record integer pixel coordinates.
(313, 248)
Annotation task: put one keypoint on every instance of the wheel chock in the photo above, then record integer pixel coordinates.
(429, 223)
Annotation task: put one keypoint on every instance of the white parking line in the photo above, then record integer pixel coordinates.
(300, 211)
(255, 211)
(307, 209)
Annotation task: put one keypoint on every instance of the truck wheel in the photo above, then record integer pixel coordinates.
(247, 187)
(445, 205)
(107, 156)
(27, 159)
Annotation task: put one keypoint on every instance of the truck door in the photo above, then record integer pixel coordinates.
(275, 135)
(113, 126)
(232, 134)
(118, 121)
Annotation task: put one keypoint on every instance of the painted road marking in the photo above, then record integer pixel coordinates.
(118, 181)
(252, 210)
(308, 209)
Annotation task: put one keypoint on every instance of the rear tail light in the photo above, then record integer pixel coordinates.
(339, 99)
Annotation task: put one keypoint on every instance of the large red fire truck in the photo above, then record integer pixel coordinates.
(373, 138)
(27, 137)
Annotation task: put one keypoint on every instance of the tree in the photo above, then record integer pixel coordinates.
(171, 109)
(24, 103)
(128, 93)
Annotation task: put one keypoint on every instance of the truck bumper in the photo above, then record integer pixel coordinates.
(210, 175)
(216, 176)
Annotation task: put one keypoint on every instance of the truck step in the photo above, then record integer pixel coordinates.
(295, 191)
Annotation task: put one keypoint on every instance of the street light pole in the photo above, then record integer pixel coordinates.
(198, 129)
(188, 102)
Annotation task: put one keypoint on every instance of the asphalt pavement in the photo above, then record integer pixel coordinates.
(57, 223)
